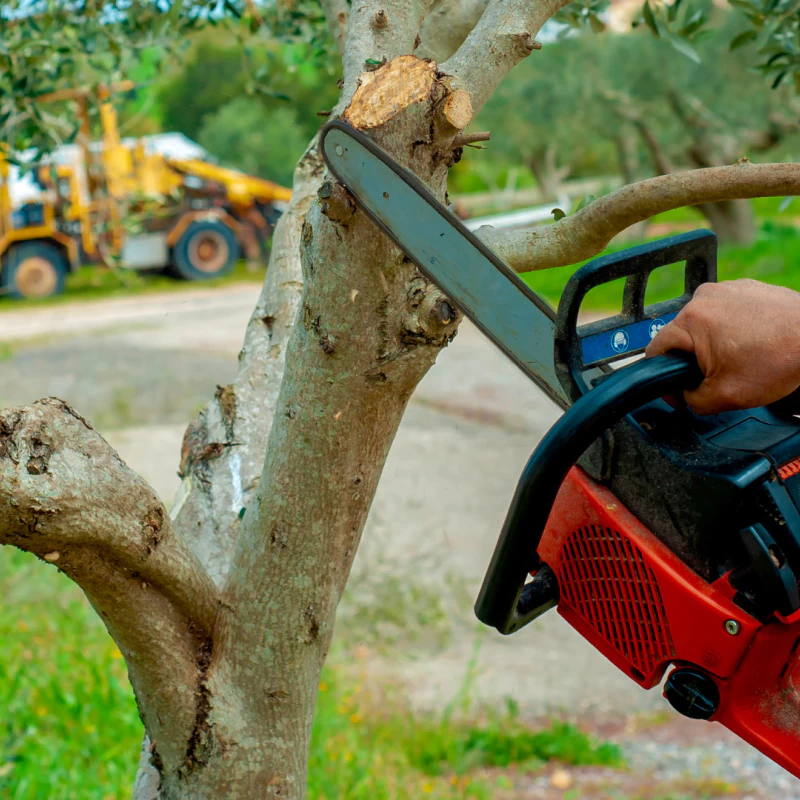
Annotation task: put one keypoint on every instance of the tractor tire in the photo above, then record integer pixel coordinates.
(206, 249)
(33, 270)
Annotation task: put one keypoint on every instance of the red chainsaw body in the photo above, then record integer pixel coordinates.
(635, 601)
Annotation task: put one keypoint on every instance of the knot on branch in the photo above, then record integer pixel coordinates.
(336, 203)
(380, 19)
(432, 318)
(523, 44)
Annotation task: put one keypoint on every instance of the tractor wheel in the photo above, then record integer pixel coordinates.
(33, 270)
(205, 250)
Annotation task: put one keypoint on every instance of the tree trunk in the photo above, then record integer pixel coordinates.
(361, 342)
(549, 176)
(626, 156)
(733, 221)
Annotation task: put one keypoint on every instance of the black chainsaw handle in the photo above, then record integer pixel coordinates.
(505, 602)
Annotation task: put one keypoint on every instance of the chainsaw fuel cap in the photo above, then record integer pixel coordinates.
(692, 693)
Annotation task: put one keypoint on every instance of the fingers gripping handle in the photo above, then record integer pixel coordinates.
(505, 601)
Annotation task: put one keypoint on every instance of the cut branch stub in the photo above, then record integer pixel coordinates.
(433, 318)
(336, 203)
(464, 139)
(387, 91)
(457, 110)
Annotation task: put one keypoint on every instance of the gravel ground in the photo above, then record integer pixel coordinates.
(140, 368)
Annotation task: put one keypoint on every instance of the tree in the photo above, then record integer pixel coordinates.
(670, 113)
(224, 609)
(245, 135)
(539, 116)
(699, 114)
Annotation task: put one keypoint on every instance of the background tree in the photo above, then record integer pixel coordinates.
(224, 609)
(701, 113)
(585, 111)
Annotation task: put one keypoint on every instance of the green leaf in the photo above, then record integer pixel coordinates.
(589, 198)
(684, 48)
(558, 214)
(373, 62)
(672, 10)
(650, 18)
(694, 23)
(745, 5)
(742, 39)
(596, 24)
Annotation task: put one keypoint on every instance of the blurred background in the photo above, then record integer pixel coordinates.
(417, 700)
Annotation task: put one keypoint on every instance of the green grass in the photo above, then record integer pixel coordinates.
(774, 258)
(69, 728)
(96, 283)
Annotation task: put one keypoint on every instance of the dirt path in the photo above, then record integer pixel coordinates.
(140, 367)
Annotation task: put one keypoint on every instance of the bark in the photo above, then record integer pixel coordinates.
(66, 496)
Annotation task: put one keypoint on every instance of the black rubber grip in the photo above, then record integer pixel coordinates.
(501, 602)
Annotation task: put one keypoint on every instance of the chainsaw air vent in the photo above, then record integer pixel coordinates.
(606, 580)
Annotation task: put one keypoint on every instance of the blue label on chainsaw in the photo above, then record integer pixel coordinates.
(625, 340)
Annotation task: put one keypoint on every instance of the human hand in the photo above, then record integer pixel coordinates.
(746, 338)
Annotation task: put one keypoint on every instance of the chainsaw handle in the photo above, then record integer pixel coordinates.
(505, 601)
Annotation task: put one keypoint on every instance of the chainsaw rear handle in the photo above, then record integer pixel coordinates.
(505, 601)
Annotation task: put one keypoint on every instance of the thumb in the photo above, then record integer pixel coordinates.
(708, 398)
(673, 336)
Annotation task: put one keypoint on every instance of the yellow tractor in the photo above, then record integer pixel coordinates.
(118, 202)
(35, 254)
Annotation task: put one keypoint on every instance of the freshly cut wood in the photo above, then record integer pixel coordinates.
(385, 92)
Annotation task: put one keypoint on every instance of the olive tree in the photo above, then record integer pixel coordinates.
(224, 608)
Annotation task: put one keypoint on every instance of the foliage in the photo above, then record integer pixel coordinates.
(579, 108)
(210, 98)
(63, 691)
(53, 44)
(769, 27)
(245, 135)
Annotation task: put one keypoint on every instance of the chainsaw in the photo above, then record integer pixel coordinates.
(670, 541)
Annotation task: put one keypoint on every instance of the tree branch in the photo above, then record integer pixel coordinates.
(223, 448)
(66, 496)
(465, 139)
(447, 25)
(586, 233)
(504, 36)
